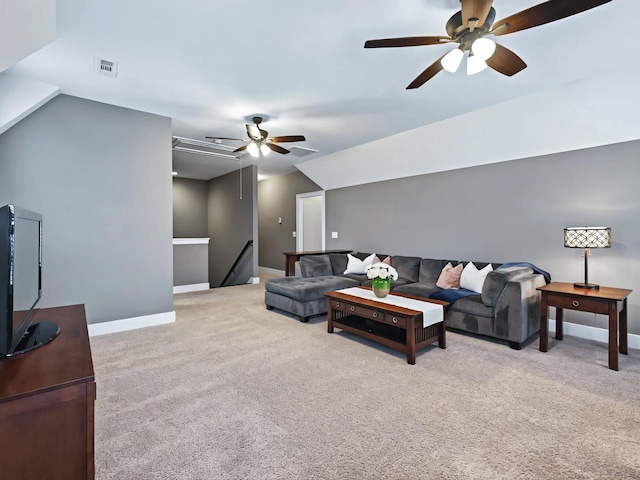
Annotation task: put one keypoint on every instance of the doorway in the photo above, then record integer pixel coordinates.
(310, 228)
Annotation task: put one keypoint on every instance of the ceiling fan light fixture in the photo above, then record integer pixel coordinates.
(451, 61)
(483, 48)
(253, 149)
(264, 150)
(475, 65)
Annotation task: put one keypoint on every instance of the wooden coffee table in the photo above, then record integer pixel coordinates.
(394, 326)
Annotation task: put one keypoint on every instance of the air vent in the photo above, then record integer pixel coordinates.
(199, 147)
(301, 151)
(105, 67)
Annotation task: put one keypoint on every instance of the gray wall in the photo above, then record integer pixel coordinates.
(232, 213)
(101, 177)
(190, 264)
(504, 212)
(277, 199)
(189, 208)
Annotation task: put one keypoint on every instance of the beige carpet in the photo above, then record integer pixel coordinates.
(233, 391)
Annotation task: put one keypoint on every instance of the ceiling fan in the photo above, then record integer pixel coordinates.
(259, 141)
(469, 28)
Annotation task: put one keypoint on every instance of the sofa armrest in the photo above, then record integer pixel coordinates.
(517, 310)
(496, 280)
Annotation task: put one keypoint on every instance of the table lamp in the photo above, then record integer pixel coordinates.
(587, 238)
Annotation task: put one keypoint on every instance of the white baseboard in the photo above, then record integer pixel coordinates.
(96, 329)
(253, 280)
(592, 333)
(271, 271)
(194, 287)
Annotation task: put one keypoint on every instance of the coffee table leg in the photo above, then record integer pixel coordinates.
(442, 336)
(411, 340)
(329, 318)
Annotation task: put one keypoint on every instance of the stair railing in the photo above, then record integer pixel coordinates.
(233, 268)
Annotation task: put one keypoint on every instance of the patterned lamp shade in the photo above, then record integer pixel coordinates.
(587, 237)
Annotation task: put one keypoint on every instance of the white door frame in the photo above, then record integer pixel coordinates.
(299, 217)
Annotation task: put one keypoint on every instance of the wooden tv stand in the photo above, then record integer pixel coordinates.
(47, 397)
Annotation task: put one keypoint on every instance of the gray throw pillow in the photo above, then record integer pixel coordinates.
(430, 270)
(315, 265)
(338, 263)
(496, 280)
(408, 268)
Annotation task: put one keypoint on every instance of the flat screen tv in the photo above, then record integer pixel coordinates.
(21, 282)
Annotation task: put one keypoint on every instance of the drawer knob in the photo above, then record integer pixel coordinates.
(337, 304)
(576, 303)
(374, 314)
(395, 320)
(353, 309)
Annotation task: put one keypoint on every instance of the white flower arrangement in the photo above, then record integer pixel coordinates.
(381, 270)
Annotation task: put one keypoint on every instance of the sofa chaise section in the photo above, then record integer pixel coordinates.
(305, 296)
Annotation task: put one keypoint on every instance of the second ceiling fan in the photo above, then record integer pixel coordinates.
(469, 27)
(259, 141)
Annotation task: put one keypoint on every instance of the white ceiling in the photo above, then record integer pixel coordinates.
(212, 64)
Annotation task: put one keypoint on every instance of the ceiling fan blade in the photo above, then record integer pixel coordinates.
(241, 149)
(288, 138)
(428, 74)
(277, 148)
(505, 61)
(406, 42)
(226, 138)
(255, 132)
(475, 9)
(546, 12)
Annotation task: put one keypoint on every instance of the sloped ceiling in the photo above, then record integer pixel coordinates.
(211, 65)
(582, 114)
(24, 28)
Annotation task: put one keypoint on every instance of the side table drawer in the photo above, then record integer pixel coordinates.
(591, 305)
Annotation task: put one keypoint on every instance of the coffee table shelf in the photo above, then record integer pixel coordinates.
(393, 337)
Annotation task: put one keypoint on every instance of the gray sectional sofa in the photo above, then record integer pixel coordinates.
(508, 309)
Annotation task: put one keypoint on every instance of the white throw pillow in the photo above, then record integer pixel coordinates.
(472, 278)
(357, 266)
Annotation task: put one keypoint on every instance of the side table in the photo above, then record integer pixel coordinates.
(602, 301)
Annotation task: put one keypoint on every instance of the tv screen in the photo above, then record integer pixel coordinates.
(21, 281)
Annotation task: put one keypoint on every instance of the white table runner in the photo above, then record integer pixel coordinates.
(432, 313)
